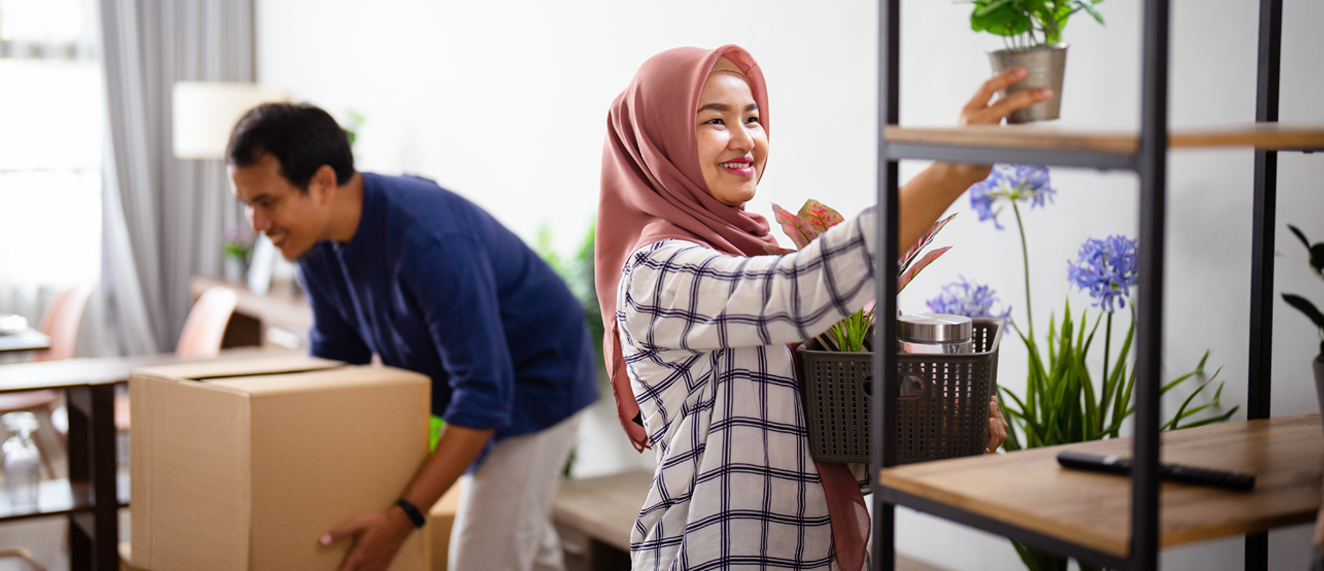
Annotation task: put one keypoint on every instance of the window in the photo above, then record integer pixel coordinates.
(51, 136)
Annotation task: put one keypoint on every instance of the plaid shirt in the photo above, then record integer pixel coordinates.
(704, 337)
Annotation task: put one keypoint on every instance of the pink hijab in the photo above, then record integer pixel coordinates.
(652, 190)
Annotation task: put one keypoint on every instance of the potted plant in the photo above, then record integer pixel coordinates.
(835, 370)
(1316, 252)
(1063, 402)
(854, 333)
(238, 246)
(1032, 33)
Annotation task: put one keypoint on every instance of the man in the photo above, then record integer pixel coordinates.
(404, 269)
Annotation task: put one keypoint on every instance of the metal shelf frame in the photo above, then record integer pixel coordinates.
(1150, 164)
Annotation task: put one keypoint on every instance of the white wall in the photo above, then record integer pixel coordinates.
(505, 103)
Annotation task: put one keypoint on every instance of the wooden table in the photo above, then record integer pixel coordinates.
(28, 339)
(90, 388)
(1029, 491)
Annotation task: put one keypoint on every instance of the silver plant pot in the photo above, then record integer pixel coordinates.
(1046, 67)
(1319, 383)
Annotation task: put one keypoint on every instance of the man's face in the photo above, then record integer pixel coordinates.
(294, 220)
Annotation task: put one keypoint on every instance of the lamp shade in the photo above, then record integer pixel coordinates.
(205, 112)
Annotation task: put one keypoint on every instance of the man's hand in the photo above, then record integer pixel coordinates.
(997, 426)
(377, 537)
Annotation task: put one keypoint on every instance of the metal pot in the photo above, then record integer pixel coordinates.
(1319, 382)
(1046, 67)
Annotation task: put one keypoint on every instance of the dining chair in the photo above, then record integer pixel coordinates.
(204, 330)
(60, 322)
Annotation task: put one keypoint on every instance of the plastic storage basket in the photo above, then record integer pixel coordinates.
(942, 409)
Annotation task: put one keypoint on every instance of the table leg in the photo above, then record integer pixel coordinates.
(79, 407)
(93, 540)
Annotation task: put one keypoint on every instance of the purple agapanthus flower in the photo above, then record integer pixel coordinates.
(1106, 269)
(1011, 183)
(967, 298)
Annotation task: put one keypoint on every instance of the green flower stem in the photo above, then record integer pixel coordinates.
(1025, 257)
(1107, 344)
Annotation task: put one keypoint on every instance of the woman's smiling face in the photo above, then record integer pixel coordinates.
(732, 143)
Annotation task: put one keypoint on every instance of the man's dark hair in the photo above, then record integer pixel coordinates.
(301, 136)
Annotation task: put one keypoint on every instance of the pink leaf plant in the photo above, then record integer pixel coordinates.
(813, 219)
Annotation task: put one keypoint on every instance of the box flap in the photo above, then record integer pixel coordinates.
(343, 377)
(191, 475)
(223, 367)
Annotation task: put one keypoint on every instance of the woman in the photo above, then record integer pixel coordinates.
(698, 319)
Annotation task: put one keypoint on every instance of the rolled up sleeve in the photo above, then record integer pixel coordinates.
(452, 282)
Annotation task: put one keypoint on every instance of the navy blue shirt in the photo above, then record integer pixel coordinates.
(432, 283)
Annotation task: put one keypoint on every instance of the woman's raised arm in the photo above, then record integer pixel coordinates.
(924, 198)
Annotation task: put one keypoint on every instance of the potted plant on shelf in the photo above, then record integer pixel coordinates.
(1316, 252)
(1063, 402)
(238, 246)
(1032, 33)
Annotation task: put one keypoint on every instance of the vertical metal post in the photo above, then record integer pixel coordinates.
(1149, 358)
(1266, 191)
(1259, 368)
(882, 432)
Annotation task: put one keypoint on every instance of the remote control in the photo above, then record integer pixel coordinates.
(1174, 472)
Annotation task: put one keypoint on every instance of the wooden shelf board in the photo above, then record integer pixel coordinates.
(59, 497)
(1029, 490)
(1262, 136)
(604, 507)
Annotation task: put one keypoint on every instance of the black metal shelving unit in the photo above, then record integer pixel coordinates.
(1149, 162)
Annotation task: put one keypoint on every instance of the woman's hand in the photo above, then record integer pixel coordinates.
(978, 111)
(997, 426)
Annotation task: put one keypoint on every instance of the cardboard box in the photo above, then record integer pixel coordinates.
(440, 520)
(248, 472)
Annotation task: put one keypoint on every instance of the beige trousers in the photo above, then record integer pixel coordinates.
(504, 522)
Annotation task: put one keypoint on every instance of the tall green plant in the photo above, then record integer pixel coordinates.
(1316, 253)
(577, 273)
(1063, 402)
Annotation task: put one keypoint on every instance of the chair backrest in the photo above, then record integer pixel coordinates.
(205, 327)
(61, 322)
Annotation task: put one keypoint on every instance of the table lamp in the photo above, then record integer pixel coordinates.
(204, 114)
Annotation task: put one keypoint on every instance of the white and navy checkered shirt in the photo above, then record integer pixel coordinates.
(704, 337)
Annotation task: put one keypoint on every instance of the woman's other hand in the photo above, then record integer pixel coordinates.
(997, 426)
(979, 111)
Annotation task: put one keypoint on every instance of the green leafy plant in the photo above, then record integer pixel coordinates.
(854, 333)
(1316, 253)
(577, 272)
(351, 125)
(1028, 24)
(237, 241)
(1063, 403)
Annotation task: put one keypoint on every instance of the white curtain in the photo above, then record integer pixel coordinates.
(162, 217)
